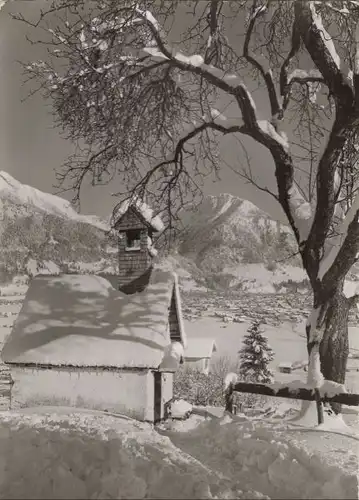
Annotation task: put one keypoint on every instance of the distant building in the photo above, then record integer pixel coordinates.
(198, 353)
(102, 342)
(285, 367)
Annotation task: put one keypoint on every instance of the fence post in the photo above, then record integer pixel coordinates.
(229, 398)
(319, 406)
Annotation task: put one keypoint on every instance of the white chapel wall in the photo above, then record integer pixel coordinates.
(126, 392)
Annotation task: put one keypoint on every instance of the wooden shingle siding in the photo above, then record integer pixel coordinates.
(132, 264)
(137, 285)
(131, 220)
(173, 321)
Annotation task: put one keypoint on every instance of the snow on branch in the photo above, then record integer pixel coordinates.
(325, 36)
(301, 211)
(303, 76)
(320, 46)
(344, 10)
(266, 127)
(300, 76)
(262, 130)
(149, 17)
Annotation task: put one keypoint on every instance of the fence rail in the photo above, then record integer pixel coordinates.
(290, 393)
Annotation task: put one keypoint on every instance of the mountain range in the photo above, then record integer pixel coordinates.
(226, 243)
(225, 234)
(41, 232)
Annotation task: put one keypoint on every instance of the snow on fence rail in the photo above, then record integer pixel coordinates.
(292, 391)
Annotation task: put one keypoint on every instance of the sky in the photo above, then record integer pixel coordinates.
(31, 149)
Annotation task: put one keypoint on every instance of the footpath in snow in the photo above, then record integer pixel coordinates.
(93, 455)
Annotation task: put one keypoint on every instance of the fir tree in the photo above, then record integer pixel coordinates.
(255, 356)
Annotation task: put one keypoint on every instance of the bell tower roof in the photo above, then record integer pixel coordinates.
(143, 212)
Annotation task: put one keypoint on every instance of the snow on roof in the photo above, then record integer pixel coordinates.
(200, 347)
(144, 210)
(179, 311)
(286, 364)
(81, 320)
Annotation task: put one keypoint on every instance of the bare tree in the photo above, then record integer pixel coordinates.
(150, 102)
(224, 365)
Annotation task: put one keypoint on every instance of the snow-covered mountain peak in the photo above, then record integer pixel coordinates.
(22, 194)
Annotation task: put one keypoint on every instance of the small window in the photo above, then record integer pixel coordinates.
(206, 364)
(133, 239)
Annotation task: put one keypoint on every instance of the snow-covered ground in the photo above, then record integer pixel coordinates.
(256, 278)
(93, 455)
(308, 452)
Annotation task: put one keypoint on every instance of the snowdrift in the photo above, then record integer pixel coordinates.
(255, 456)
(92, 455)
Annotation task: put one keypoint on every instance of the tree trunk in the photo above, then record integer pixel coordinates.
(334, 346)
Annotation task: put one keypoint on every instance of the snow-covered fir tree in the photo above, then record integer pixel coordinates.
(255, 356)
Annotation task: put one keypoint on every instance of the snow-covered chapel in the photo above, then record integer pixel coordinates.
(81, 341)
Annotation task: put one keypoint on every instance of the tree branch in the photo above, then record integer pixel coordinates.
(321, 48)
(247, 176)
(266, 73)
(344, 255)
(356, 66)
(283, 76)
(175, 158)
(262, 130)
(214, 10)
(302, 78)
(326, 194)
(79, 172)
(295, 207)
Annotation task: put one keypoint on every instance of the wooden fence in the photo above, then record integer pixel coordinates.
(348, 399)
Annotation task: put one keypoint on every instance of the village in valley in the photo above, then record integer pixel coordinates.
(197, 334)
